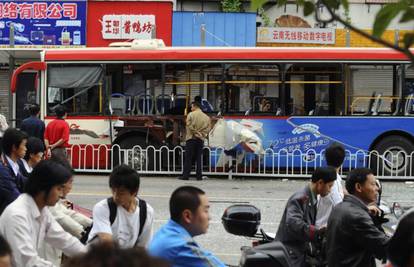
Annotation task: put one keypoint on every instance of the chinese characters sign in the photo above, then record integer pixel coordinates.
(296, 35)
(43, 23)
(127, 26)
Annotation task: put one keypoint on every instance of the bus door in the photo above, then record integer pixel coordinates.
(25, 95)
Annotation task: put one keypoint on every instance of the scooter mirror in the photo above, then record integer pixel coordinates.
(397, 210)
(241, 219)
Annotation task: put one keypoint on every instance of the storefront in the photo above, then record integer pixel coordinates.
(119, 21)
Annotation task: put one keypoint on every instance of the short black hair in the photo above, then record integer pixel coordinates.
(335, 155)
(34, 109)
(358, 175)
(124, 176)
(46, 174)
(184, 197)
(5, 249)
(60, 111)
(400, 248)
(197, 98)
(326, 174)
(34, 145)
(106, 254)
(197, 104)
(12, 137)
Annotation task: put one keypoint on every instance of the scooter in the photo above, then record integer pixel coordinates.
(244, 220)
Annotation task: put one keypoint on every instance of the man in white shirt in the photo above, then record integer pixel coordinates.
(123, 218)
(334, 155)
(26, 223)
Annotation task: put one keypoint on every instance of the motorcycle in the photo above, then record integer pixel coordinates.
(244, 220)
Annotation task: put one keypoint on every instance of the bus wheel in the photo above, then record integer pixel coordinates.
(392, 157)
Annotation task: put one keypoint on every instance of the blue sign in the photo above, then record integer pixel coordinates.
(43, 23)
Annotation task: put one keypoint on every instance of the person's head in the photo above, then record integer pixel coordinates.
(60, 112)
(195, 105)
(34, 109)
(47, 181)
(189, 207)
(197, 98)
(106, 254)
(323, 179)
(361, 183)
(14, 143)
(5, 253)
(35, 150)
(124, 183)
(68, 185)
(335, 155)
(400, 249)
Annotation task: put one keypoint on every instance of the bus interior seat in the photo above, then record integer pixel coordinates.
(163, 103)
(408, 107)
(118, 104)
(256, 102)
(145, 104)
(278, 112)
(376, 105)
(397, 107)
(180, 101)
(371, 102)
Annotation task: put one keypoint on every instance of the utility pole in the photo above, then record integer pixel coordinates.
(11, 69)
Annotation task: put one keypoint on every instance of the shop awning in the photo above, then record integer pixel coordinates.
(21, 55)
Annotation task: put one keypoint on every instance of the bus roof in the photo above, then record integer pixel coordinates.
(288, 54)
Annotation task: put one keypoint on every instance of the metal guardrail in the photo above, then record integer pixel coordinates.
(271, 164)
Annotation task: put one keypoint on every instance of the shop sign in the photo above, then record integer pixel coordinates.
(295, 35)
(43, 23)
(127, 26)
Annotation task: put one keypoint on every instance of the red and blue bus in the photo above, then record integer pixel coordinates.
(294, 100)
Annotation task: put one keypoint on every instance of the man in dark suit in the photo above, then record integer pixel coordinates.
(32, 125)
(353, 239)
(12, 182)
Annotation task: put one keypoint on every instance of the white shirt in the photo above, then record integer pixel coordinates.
(27, 166)
(125, 228)
(71, 221)
(26, 228)
(326, 204)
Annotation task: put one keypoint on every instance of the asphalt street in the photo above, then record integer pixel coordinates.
(268, 195)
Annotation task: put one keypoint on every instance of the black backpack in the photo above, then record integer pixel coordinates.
(112, 215)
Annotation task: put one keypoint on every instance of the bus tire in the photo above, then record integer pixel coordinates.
(392, 157)
(132, 153)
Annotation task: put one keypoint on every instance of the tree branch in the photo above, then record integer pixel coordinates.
(385, 43)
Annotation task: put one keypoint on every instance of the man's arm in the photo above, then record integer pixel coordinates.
(295, 221)
(101, 225)
(18, 234)
(368, 235)
(57, 237)
(192, 255)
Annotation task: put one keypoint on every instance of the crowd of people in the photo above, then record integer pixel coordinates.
(39, 227)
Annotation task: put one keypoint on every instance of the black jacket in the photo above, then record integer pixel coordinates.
(33, 126)
(11, 185)
(296, 229)
(353, 240)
